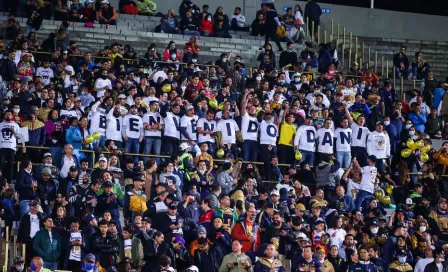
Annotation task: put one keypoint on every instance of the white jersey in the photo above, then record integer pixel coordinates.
(153, 118)
(368, 179)
(149, 99)
(8, 138)
(268, 133)
(348, 95)
(204, 124)
(305, 138)
(172, 125)
(100, 84)
(132, 126)
(46, 74)
(189, 123)
(113, 129)
(324, 138)
(98, 121)
(249, 127)
(359, 135)
(343, 138)
(228, 129)
(71, 113)
(378, 144)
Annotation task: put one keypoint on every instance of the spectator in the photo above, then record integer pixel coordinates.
(10, 27)
(60, 11)
(206, 27)
(401, 63)
(238, 21)
(170, 23)
(107, 14)
(272, 23)
(289, 57)
(430, 85)
(221, 24)
(189, 25)
(146, 7)
(47, 244)
(258, 25)
(62, 36)
(297, 33)
(312, 15)
(266, 57)
(188, 5)
(191, 50)
(308, 56)
(417, 117)
(420, 67)
(130, 247)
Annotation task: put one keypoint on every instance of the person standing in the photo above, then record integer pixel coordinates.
(312, 15)
(236, 261)
(272, 22)
(10, 132)
(47, 244)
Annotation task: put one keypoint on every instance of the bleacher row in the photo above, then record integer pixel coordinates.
(138, 31)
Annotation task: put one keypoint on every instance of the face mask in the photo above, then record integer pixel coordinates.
(194, 60)
(173, 56)
(224, 59)
(209, 19)
(441, 260)
(402, 260)
(19, 268)
(331, 86)
(16, 110)
(386, 123)
(33, 267)
(289, 50)
(104, 77)
(411, 133)
(54, 140)
(422, 229)
(408, 126)
(363, 86)
(374, 230)
(297, 80)
(281, 81)
(90, 266)
(258, 78)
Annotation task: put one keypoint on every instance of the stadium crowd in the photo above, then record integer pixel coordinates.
(347, 179)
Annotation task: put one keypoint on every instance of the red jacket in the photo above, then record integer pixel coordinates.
(189, 48)
(167, 56)
(239, 233)
(206, 26)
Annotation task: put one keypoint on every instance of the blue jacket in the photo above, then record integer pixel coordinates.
(370, 267)
(112, 206)
(418, 121)
(23, 185)
(360, 107)
(349, 204)
(73, 137)
(393, 137)
(10, 211)
(191, 216)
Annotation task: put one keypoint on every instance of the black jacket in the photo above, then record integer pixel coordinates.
(180, 259)
(313, 12)
(186, 5)
(216, 257)
(284, 241)
(432, 267)
(8, 69)
(23, 186)
(288, 58)
(23, 235)
(105, 248)
(189, 24)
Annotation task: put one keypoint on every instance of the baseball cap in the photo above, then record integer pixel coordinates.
(48, 154)
(18, 260)
(172, 206)
(301, 207)
(442, 200)
(193, 268)
(102, 158)
(107, 184)
(189, 107)
(147, 219)
(46, 171)
(180, 240)
(319, 221)
(408, 201)
(317, 205)
(90, 258)
(372, 158)
(402, 252)
(183, 146)
(374, 222)
(34, 203)
(89, 217)
(121, 96)
(73, 169)
(275, 192)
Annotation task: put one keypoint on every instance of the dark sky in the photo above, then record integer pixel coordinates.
(435, 7)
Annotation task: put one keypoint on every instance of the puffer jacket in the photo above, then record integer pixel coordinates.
(105, 249)
(48, 249)
(73, 137)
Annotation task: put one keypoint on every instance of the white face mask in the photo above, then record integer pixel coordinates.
(408, 126)
(16, 110)
(258, 78)
(422, 229)
(411, 133)
(297, 80)
(54, 140)
(173, 56)
(386, 123)
(209, 19)
(374, 230)
(19, 268)
(194, 60)
(224, 59)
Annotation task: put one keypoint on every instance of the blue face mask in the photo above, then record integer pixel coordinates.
(330, 86)
(90, 266)
(33, 267)
(402, 259)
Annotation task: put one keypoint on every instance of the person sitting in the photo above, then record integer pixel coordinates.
(191, 49)
(107, 14)
(420, 67)
(169, 23)
(206, 27)
(221, 24)
(258, 24)
(188, 25)
(146, 7)
(238, 21)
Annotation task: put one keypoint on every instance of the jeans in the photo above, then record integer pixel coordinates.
(250, 150)
(265, 155)
(361, 155)
(205, 33)
(379, 164)
(314, 63)
(399, 72)
(361, 198)
(7, 154)
(100, 143)
(152, 146)
(166, 28)
(30, 29)
(344, 157)
(307, 157)
(192, 33)
(24, 206)
(133, 146)
(51, 265)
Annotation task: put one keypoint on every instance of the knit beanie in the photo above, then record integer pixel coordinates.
(201, 229)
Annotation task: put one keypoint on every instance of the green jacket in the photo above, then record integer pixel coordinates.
(116, 189)
(136, 252)
(232, 258)
(43, 246)
(145, 6)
